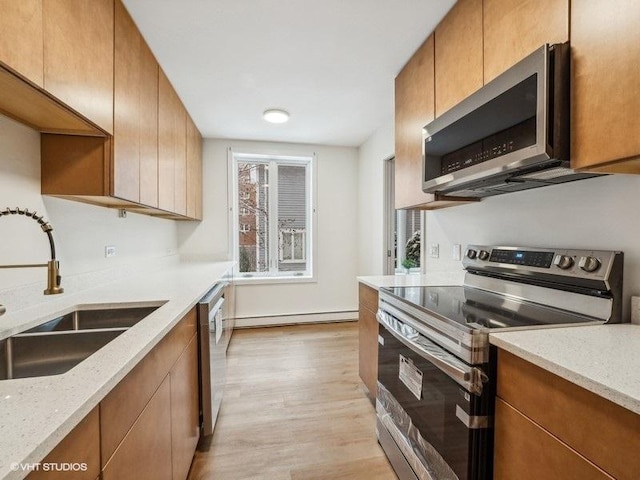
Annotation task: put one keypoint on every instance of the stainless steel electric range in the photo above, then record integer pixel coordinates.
(436, 370)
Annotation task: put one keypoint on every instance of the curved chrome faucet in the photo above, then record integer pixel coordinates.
(53, 266)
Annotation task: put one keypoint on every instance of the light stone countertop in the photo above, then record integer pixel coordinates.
(434, 278)
(604, 359)
(37, 413)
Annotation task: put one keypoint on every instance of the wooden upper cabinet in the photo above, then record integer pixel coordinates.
(194, 171)
(148, 127)
(458, 51)
(515, 28)
(78, 56)
(126, 108)
(21, 44)
(135, 159)
(171, 146)
(605, 123)
(414, 106)
(180, 136)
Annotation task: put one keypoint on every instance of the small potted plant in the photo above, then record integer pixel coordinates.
(408, 264)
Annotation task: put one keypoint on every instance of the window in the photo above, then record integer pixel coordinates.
(403, 231)
(273, 219)
(292, 246)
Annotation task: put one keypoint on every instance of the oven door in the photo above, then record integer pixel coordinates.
(436, 408)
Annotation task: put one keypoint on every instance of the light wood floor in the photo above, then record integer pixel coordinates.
(294, 409)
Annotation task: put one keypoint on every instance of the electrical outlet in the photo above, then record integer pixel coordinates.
(434, 250)
(635, 310)
(109, 251)
(456, 252)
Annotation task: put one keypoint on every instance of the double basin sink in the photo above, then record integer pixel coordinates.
(61, 343)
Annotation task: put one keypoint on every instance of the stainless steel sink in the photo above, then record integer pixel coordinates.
(41, 354)
(60, 344)
(87, 319)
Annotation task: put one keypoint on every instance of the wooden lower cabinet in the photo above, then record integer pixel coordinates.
(368, 338)
(147, 427)
(145, 452)
(548, 427)
(81, 446)
(526, 451)
(185, 412)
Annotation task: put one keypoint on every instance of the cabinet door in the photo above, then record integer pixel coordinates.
(458, 46)
(180, 206)
(525, 451)
(194, 171)
(82, 446)
(21, 39)
(148, 127)
(78, 56)
(126, 108)
(515, 28)
(145, 452)
(170, 116)
(368, 337)
(605, 123)
(185, 428)
(414, 105)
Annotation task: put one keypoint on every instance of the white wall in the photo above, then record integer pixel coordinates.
(336, 269)
(600, 213)
(80, 231)
(371, 159)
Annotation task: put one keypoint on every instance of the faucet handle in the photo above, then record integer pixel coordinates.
(2, 310)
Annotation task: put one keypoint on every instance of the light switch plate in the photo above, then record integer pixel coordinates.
(456, 252)
(434, 250)
(109, 251)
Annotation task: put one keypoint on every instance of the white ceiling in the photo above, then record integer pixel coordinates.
(330, 63)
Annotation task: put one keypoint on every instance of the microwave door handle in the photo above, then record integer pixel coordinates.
(471, 378)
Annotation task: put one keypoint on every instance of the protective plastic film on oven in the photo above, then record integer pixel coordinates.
(424, 459)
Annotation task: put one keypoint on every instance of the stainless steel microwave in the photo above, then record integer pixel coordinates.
(512, 134)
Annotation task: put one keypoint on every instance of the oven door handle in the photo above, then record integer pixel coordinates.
(470, 378)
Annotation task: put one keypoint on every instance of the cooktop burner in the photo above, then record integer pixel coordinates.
(475, 308)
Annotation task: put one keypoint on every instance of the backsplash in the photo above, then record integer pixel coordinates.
(598, 213)
(81, 231)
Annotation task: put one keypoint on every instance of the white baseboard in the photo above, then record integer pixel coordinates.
(274, 320)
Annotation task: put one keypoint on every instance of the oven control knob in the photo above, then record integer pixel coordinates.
(589, 264)
(483, 255)
(563, 261)
(471, 253)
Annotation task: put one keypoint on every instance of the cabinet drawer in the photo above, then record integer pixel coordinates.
(368, 297)
(525, 451)
(602, 431)
(122, 406)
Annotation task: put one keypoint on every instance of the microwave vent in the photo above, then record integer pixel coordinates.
(550, 174)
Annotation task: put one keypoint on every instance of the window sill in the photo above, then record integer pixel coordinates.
(239, 280)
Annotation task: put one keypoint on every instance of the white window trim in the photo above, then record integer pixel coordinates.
(311, 236)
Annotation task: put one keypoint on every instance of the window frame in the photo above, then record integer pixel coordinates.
(283, 158)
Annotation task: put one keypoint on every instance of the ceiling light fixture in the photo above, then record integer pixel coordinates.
(276, 115)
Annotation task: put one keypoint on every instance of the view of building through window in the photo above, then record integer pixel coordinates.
(273, 205)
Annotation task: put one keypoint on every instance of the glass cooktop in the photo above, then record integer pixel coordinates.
(475, 308)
